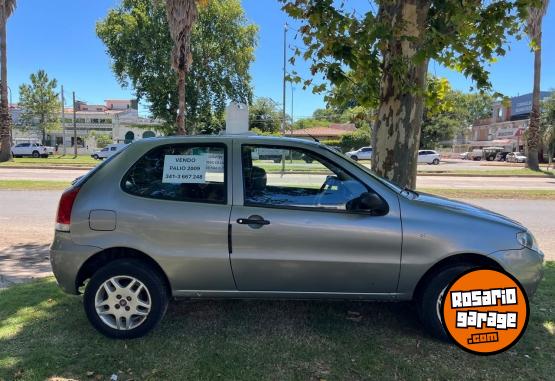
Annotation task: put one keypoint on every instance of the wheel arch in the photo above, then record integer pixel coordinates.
(454, 260)
(102, 258)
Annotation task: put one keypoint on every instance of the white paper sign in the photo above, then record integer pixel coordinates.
(184, 169)
(215, 162)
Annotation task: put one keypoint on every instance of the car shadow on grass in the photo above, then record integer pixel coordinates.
(44, 333)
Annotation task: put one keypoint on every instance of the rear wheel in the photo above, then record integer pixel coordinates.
(125, 299)
(435, 162)
(430, 299)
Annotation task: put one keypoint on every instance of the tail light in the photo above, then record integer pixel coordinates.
(63, 217)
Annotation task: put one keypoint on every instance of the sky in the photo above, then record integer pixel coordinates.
(59, 37)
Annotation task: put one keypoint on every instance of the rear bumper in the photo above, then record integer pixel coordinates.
(66, 258)
(525, 265)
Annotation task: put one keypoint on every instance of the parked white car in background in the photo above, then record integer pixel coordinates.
(515, 157)
(364, 153)
(107, 151)
(428, 156)
(31, 149)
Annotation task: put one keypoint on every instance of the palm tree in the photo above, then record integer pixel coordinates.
(6, 9)
(181, 15)
(534, 30)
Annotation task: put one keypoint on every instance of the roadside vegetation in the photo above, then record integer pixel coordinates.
(44, 334)
(55, 160)
(514, 194)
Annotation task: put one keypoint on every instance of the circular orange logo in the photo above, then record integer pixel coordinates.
(485, 311)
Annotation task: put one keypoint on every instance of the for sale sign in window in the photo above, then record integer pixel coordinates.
(184, 169)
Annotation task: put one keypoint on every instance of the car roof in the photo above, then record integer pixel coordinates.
(218, 138)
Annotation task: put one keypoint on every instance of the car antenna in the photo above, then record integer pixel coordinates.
(316, 140)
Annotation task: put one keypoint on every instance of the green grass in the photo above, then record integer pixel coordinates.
(513, 194)
(55, 160)
(516, 194)
(492, 172)
(33, 184)
(44, 333)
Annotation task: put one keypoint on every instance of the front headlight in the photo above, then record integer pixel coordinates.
(526, 239)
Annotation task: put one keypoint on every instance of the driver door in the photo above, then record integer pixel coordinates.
(291, 231)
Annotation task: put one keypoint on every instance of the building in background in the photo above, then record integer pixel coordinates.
(117, 118)
(507, 124)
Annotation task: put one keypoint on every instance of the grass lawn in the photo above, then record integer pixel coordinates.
(447, 192)
(44, 334)
(55, 160)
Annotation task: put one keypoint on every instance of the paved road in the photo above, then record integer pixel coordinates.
(543, 183)
(27, 225)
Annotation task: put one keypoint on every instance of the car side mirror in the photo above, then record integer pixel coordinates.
(367, 202)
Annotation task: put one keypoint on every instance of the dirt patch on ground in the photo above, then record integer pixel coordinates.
(23, 262)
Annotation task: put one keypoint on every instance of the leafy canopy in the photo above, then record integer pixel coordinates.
(347, 46)
(137, 39)
(40, 103)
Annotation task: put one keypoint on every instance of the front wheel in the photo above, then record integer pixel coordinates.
(95, 157)
(431, 296)
(435, 162)
(354, 157)
(35, 154)
(125, 299)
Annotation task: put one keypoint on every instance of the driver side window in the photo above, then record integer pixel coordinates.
(291, 177)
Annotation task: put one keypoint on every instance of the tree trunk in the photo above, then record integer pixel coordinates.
(181, 123)
(533, 135)
(5, 130)
(396, 134)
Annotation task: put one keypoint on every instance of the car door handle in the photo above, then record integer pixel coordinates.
(253, 221)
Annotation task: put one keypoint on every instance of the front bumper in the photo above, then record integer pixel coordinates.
(524, 264)
(66, 258)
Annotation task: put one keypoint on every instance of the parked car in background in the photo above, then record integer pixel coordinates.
(199, 217)
(428, 156)
(107, 151)
(515, 157)
(465, 155)
(489, 153)
(501, 156)
(476, 154)
(31, 149)
(364, 153)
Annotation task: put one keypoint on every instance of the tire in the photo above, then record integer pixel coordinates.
(95, 157)
(35, 154)
(354, 157)
(277, 160)
(125, 272)
(427, 301)
(435, 162)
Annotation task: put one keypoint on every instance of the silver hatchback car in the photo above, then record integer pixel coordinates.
(205, 217)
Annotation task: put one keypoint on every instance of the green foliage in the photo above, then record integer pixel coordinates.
(547, 126)
(462, 35)
(354, 140)
(310, 123)
(449, 113)
(40, 104)
(332, 142)
(265, 116)
(103, 140)
(137, 39)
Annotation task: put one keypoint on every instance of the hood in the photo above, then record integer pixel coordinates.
(466, 209)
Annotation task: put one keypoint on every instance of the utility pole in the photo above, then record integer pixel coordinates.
(292, 109)
(284, 74)
(74, 128)
(63, 123)
(284, 89)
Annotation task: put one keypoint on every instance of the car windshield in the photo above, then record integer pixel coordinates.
(367, 170)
